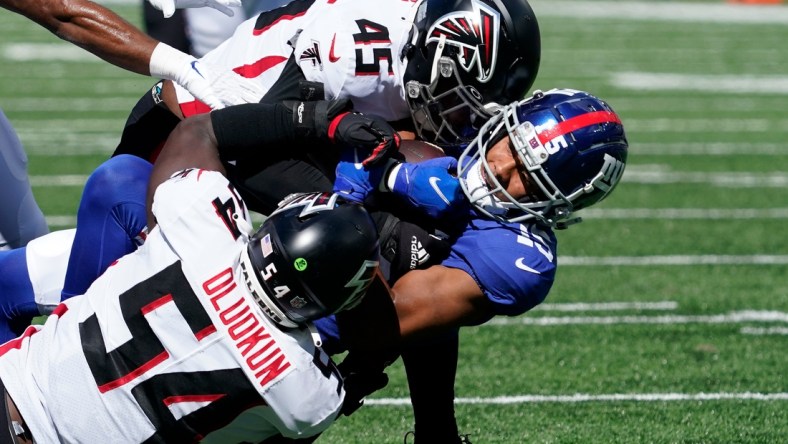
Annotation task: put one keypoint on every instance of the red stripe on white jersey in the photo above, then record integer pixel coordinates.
(158, 359)
(205, 332)
(193, 108)
(255, 69)
(249, 71)
(170, 400)
(17, 343)
(156, 304)
(280, 19)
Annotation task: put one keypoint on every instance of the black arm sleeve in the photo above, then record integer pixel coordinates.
(250, 126)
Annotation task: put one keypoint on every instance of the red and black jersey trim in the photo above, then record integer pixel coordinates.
(290, 11)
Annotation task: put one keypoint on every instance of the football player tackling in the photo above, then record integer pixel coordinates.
(201, 323)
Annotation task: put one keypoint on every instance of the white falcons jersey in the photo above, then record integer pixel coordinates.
(168, 344)
(352, 47)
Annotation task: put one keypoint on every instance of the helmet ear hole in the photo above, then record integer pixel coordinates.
(314, 256)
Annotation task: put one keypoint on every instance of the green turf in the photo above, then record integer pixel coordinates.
(69, 115)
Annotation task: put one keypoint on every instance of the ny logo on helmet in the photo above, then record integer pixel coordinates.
(610, 174)
(475, 34)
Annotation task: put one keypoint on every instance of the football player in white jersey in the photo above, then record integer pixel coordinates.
(201, 323)
(389, 57)
(434, 67)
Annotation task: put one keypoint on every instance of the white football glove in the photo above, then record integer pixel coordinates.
(197, 81)
(168, 6)
(230, 87)
(216, 87)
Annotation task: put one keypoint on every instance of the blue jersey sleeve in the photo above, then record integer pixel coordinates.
(513, 264)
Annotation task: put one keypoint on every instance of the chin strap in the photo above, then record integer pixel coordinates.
(315, 335)
(245, 227)
(564, 224)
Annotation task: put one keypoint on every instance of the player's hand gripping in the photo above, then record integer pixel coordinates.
(363, 375)
(355, 182)
(369, 134)
(430, 186)
(167, 7)
(372, 137)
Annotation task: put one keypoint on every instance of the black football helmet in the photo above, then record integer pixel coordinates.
(570, 144)
(466, 56)
(314, 256)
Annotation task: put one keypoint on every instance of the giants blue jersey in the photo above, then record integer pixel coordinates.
(514, 264)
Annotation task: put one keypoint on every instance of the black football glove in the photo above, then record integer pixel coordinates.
(334, 120)
(367, 134)
(363, 374)
(358, 386)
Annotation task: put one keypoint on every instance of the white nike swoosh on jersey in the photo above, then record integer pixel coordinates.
(521, 265)
(434, 184)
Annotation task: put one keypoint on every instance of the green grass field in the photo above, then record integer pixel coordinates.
(668, 322)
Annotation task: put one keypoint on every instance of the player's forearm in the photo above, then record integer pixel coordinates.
(437, 300)
(107, 35)
(190, 145)
(92, 27)
(244, 129)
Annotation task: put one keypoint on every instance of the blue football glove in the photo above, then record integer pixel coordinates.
(431, 187)
(355, 182)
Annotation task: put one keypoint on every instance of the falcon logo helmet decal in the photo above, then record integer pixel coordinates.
(475, 34)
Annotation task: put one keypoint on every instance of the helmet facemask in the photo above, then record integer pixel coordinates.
(545, 204)
(465, 57)
(586, 169)
(446, 111)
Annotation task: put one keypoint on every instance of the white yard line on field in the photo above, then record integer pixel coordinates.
(584, 397)
(730, 318)
(662, 11)
(764, 331)
(697, 259)
(608, 306)
(736, 84)
(62, 180)
(686, 213)
(96, 125)
(672, 125)
(62, 52)
(69, 104)
(710, 149)
(664, 174)
(61, 221)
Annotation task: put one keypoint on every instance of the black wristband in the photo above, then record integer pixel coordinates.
(304, 122)
(312, 119)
